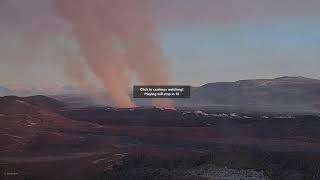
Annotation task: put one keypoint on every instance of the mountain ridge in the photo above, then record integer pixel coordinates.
(278, 79)
(286, 91)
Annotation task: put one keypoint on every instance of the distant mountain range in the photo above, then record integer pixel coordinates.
(5, 91)
(278, 94)
(32, 91)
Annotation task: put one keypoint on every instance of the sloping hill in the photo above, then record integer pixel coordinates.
(25, 124)
(279, 92)
(36, 109)
(45, 102)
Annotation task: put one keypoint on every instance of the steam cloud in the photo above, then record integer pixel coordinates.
(117, 40)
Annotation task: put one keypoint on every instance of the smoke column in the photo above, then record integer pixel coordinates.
(117, 39)
(75, 70)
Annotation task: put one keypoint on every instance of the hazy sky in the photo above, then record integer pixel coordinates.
(204, 40)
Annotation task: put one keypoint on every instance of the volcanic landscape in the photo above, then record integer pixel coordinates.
(40, 135)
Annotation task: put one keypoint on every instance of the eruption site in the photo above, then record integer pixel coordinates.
(117, 39)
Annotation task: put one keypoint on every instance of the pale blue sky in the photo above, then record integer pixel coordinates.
(258, 50)
(204, 40)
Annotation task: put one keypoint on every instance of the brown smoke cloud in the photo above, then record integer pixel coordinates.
(76, 71)
(117, 39)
